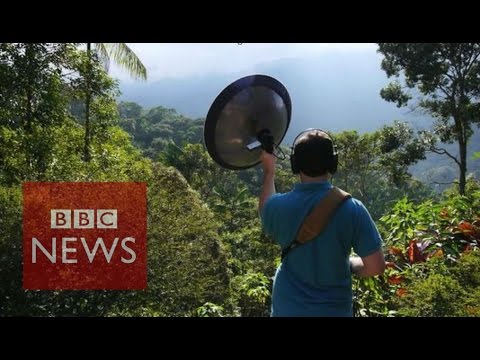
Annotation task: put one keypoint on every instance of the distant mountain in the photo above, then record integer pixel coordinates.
(331, 92)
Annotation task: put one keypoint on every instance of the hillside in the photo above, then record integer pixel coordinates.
(329, 92)
(153, 128)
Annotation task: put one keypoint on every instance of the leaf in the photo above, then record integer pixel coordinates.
(468, 248)
(390, 265)
(395, 251)
(414, 253)
(395, 279)
(437, 253)
(444, 213)
(466, 227)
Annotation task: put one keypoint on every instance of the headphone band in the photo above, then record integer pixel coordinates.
(332, 167)
(311, 130)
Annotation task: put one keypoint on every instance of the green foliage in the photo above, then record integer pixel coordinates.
(129, 110)
(284, 178)
(115, 159)
(393, 93)
(92, 84)
(31, 83)
(426, 245)
(253, 291)
(14, 301)
(249, 249)
(123, 56)
(455, 291)
(10, 248)
(153, 130)
(399, 149)
(207, 255)
(33, 97)
(373, 166)
(237, 209)
(437, 295)
(446, 225)
(209, 310)
(187, 266)
(226, 194)
(446, 75)
(370, 296)
(113, 156)
(49, 147)
(195, 165)
(37, 83)
(91, 78)
(252, 260)
(467, 271)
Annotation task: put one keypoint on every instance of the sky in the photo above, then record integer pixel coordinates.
(181, 60)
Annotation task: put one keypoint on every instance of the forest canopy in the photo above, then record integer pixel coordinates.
(61, 120)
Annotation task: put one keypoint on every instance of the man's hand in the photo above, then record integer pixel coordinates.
(268, 187)
(371, 265)
(268, 162)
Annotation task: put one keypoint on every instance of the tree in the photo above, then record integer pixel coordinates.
(129, 110)
(373, 167)
(123, 56)
(399, 148)
(33, 98)
(447, 77)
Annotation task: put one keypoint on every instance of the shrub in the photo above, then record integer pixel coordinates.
(455, 292)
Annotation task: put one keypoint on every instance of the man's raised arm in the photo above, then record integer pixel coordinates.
(268, 186)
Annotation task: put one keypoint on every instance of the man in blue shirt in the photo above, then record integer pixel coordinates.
(315, 279)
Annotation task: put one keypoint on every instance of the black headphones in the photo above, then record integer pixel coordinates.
(330, 163)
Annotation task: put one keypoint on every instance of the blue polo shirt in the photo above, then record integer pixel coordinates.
(314, 279)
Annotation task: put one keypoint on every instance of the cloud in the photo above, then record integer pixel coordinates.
(181, 60)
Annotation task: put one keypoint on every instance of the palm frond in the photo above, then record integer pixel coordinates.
(103, 55)
(121, 54)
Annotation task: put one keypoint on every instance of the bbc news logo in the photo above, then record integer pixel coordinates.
(84, 236)
(83, 219)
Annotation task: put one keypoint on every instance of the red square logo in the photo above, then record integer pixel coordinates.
(84, 236)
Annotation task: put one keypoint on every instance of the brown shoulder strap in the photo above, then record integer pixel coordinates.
(318, 219)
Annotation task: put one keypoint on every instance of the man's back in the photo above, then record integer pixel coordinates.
(314, 279)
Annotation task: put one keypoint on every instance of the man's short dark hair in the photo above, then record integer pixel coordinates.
(314, 153)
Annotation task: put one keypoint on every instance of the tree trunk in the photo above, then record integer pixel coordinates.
(29, 54)
(86, 148)
(461, 127)
(28, 89)
(462, 144)
(88, 98)
(463, 164)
